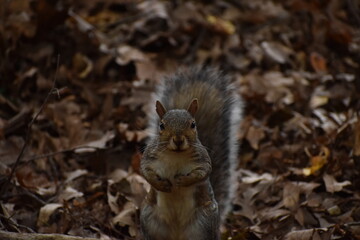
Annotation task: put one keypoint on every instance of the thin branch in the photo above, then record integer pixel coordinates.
(15, 225)
(38, 236)
(28, 133)
(70, 150)
(196, 45)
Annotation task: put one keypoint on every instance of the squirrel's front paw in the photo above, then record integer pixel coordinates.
(182, 180)
(162, 184)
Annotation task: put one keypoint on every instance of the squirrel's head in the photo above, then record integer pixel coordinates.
(177, 127)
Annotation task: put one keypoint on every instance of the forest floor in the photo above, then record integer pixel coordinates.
(75, 82)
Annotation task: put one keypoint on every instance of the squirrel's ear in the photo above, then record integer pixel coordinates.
(160, 109)
(193, 107)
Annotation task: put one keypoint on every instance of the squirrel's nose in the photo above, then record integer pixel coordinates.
(178, 140)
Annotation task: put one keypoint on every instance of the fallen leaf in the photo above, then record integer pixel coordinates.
(45, 213)
(318, 62)
(306, 234)
(96, 144)
(69, 193)
(276, 51)
(127, 53)
(254, 136)
(334, 210)
(112, 199)
(317, 101)
(126, 218)
(69, 176)
(291, 195)
(221, 25)
(82, 65)
(317, 162)
(332, 185)
(252, 177)
(139, 189)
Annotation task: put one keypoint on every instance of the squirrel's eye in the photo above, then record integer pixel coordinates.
(193, 125)
(162, 126)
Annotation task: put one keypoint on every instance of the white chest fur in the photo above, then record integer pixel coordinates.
(171, 163)
(177, 208)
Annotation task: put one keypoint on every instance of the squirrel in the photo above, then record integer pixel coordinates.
(191, 158)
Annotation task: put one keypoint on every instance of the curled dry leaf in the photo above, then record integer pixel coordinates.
(276, 51)
(252, 177)
(96, 144)
(112, 199)
(139, 188)
(254, 135)
(127, 54)
(306, 234)
(332, 185)
(69, 176)
(45, 213)
(37, 182)
(221, 25)
(334, 210)
(291, 195)
(126, 218)
(318, 62)
(317, 162)
(69, 193)
(273, 213)
(82, 65)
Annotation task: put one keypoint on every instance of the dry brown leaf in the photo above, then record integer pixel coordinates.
(139, 188)
(332, 185)
(135, 161)
(126, 218)
(82, 65)
(69, 193)
(317, 101)
(252, 177)
(318, 62)
(277, 52)
(291, 195)
(146, 70)
(69, 176)
(29, 178)
(221, 25)
(274, 214)
(308, 234)
(127, 53)
(45, 213)
(317, 162)
(96, 144)
(112, 199)
(117, 175)
(254, 136)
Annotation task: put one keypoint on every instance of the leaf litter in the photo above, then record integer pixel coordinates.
(296, 63)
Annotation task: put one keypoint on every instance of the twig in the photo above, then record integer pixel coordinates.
(46, 155)
(38, 236)
(14, 225)
(196, 45)
(28, 133)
